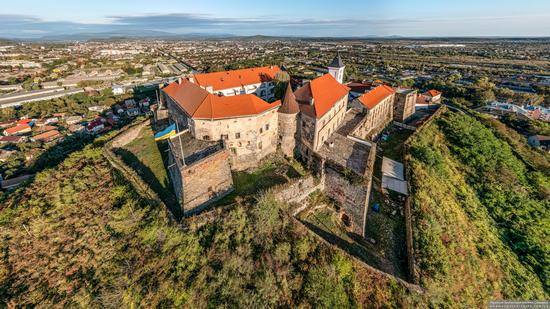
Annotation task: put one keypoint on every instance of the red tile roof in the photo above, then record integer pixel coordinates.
(433, 93)
(360, 87)
(11, 139)
(236, 78)
(375, 96)
(421, 99)
(325, 91)
(24, 121)
(47, 136)
(200, 104)
(17, 129)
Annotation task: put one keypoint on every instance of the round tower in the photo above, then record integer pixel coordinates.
(288, 123)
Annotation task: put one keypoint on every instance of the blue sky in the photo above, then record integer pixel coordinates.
(35, 18)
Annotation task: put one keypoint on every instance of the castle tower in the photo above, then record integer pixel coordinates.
(336, 68)
(288, 123)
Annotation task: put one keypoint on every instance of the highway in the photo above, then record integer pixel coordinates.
(17, 99)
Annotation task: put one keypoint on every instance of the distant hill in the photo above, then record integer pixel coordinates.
(152, 34)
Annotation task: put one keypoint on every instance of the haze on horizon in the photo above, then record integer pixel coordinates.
(39, 18)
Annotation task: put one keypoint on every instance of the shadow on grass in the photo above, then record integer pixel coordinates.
(163, 190)
(357, 247)
(352, 248)
(56, 154)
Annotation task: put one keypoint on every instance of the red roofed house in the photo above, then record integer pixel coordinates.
(377, 105)
(12, 139)
(257, 81)
(432, 96)
(47, 136)
(323, 105)
(18, 129)
(246, 123)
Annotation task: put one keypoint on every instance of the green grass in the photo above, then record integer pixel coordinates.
(467, 186)
(250, 183)
(148, 158)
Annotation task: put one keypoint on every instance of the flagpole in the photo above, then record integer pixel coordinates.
(181, 147)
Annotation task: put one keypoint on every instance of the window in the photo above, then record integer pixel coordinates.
(267, 127)
(234, 151)
(260, 145)
(225, 137)
(237, 135)
(261, 130)
(206, 138)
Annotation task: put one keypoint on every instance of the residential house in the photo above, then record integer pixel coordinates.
(12, 139)
(73, 120)
(19, 129)
(47, 137)
(540, 141)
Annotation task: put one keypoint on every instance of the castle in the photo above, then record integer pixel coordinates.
(229, 121)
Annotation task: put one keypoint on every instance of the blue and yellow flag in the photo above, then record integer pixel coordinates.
(166, 133)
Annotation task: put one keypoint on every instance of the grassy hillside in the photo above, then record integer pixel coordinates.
(481, 214)
(79, 236)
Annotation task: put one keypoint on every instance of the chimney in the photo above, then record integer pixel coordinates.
(192, 79)
(311, 101)
(179, 80)
(210, 89)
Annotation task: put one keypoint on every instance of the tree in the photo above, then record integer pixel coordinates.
(281, 81)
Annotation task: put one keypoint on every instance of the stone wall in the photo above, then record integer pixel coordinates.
(404, 105)
(206, 181)
(297, 190)
(249, 139)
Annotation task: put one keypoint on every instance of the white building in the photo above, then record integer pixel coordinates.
(336, 68)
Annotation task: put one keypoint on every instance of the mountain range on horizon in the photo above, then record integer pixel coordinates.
(154, 34)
